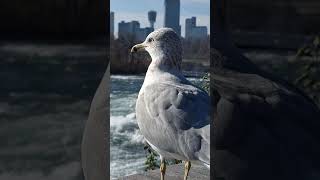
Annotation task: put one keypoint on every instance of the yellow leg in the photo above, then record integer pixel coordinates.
(187, 167)
(162, 168)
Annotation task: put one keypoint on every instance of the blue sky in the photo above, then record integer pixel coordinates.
(129, 10)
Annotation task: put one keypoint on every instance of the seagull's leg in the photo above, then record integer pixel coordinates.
(162, 167)
(187, 167)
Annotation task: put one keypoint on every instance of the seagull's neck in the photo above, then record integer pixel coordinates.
(159, 72)
(161, 66)
(161, 60)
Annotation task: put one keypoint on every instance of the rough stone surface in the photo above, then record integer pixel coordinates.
(173, 172)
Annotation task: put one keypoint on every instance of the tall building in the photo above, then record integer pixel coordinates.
(190, 23)
(172, 15)
(152, 15)
(127, 29)
(111, 23)
(193, 31)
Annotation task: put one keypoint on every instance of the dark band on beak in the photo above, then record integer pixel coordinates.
(138, 47)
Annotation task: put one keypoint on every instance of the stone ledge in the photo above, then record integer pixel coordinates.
(173, 172)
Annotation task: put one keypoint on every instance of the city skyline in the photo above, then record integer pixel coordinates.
(126, 10)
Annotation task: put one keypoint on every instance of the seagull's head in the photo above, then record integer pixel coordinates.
(164, 47)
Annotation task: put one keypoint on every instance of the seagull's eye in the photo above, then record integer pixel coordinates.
(150, 39)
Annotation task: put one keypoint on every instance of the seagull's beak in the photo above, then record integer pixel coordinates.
(138, 47)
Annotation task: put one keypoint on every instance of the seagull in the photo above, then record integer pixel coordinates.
(172, 114)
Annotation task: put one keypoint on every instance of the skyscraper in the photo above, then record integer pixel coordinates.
(152, 15)
(190, 23)
(193, 31)
(111, 23)
(128, 29)
(172, 15)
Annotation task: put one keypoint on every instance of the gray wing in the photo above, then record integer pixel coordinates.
(176, 120)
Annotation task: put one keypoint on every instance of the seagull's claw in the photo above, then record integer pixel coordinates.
(187, 167)
(163, 169)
